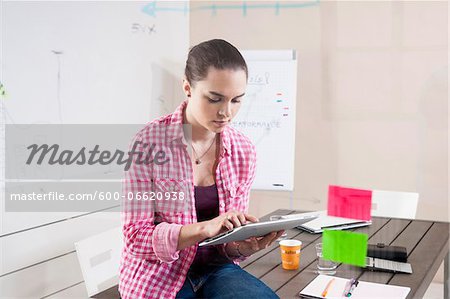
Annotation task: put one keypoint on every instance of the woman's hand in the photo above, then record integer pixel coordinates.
(252, 245)
(225, 222)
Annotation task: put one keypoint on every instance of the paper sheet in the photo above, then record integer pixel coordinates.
(364, 289)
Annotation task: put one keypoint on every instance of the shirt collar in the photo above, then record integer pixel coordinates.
(225, 138)
(177, 115)
(175, 132)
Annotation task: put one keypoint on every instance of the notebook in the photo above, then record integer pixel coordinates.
(364, 289)
(323, 221)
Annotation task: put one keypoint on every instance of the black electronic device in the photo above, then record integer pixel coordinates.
(385, 252)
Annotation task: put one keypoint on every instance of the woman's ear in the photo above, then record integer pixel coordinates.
(187, 88)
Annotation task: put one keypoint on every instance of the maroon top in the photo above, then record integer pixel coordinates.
(206, 202)
(207, 208)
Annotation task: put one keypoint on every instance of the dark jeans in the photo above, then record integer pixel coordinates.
(224, 281)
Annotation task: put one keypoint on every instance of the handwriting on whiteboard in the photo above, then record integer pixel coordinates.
(259, 79)
(143, 29)
(257, 124)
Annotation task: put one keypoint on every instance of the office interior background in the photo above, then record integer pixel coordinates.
(371, 111)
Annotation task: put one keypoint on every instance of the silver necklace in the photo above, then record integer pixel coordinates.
(197, 160)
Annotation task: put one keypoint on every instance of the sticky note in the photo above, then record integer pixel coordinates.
(349, 203)
(345, 247)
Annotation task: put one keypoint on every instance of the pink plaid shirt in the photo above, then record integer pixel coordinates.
(151, 266)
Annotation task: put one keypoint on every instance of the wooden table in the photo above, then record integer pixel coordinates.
(426, 243)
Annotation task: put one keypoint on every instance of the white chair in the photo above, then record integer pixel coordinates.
(394, 204)
(99, 258)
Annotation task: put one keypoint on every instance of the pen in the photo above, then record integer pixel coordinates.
(327, 288)
(348, 286)
(352, 288)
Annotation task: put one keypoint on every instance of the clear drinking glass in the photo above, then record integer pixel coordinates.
(326, 267)
(278, 217)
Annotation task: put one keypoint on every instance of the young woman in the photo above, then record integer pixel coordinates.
(207, 171)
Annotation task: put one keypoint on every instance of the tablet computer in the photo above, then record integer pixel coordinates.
(257, 229)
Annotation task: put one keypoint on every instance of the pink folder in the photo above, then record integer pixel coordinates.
(349, 203)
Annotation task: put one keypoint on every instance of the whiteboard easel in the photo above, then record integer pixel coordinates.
(267, 116)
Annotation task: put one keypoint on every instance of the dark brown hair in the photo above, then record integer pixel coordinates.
(217, 53)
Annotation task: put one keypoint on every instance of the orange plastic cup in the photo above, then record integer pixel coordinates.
(290, 254)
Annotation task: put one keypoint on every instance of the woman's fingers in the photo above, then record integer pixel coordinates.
(233, 218)
(264, 242)
(251, 218)
(228, 225)
(231, 221)
(254, 244)
(279, 233)
(236, 219)
(241, 218)
(227, 222)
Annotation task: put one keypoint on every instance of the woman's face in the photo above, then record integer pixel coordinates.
(215, 100)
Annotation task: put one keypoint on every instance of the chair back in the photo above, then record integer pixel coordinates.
(394, 204)
(99, 258)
